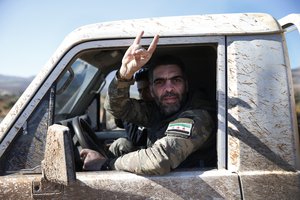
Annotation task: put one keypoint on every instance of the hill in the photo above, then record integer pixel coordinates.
(13, 85)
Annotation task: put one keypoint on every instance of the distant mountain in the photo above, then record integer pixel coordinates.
(13, 85)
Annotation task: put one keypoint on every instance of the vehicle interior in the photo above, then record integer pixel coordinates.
(90, 124)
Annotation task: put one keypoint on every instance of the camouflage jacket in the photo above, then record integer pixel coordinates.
(172, 139)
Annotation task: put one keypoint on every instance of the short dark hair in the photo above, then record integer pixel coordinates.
(142, 74)
(166, 60)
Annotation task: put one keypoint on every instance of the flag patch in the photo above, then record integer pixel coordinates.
(180, 127)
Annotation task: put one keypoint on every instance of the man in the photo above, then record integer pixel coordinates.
(180, 126)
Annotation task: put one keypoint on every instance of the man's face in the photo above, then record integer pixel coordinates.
(168, 88)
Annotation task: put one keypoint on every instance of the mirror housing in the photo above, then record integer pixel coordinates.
(58, 165)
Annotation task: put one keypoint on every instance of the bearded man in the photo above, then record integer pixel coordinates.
(180, 123)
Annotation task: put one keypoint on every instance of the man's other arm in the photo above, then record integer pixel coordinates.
(168, 152)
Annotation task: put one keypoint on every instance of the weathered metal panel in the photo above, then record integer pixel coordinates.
(122, 185)
(177, 185)
(271, 185)
(215, 24)
(17, 186)
(58, 165)
(260, 124)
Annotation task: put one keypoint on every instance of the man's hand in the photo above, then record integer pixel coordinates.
(92, 160)
(136, 57)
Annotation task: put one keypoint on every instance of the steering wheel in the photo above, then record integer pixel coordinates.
(86, 136)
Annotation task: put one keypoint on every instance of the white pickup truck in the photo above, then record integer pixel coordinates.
(239, 60)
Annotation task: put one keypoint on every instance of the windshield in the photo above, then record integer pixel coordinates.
(72, 84)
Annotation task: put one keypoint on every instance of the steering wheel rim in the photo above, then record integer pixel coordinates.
(86, 136)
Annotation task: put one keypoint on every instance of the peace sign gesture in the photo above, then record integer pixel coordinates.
(136, 56)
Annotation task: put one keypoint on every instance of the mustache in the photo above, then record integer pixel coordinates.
(169, 94)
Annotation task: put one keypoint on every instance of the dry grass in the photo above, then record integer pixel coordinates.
(6, 102)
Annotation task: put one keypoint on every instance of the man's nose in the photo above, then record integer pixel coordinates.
(169, 86)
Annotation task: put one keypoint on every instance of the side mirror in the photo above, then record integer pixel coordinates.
(58, 165)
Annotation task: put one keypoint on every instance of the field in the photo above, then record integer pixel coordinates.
(6, 102)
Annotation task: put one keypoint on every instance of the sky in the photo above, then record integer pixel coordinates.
(31, 30)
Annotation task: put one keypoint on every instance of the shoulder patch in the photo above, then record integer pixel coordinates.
(180, 127)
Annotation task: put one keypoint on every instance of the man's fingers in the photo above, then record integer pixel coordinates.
(93, 160)
(153, 44)
(136, 56)
(83, 152)
(140, 50)
(137, 40)
(137, 48)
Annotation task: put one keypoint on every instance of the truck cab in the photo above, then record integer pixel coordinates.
(240, 61)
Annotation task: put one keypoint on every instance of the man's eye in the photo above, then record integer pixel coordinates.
(177, 80)
(158, 82)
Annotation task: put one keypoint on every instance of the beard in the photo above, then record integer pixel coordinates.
(170, 108)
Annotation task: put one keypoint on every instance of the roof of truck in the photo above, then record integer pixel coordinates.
(214, 24)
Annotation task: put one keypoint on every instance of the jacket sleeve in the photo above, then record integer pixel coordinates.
(121, 106)
(168, 152)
